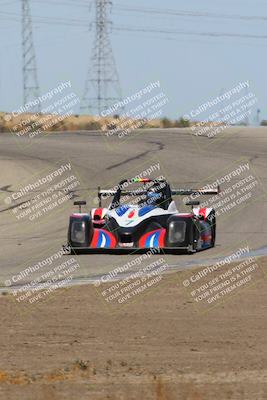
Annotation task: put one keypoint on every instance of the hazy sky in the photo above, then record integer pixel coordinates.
(191, 69)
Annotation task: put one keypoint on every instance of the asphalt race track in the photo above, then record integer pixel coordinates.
(185, 160)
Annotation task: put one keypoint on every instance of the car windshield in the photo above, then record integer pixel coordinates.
(134, 193)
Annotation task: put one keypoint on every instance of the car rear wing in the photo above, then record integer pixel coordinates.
(176, 192)
(108, 193)
(200, 192)
(104, 194)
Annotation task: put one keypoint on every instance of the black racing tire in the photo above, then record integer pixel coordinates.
(212, 221)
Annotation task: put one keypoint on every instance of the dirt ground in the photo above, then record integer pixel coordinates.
(160, 346)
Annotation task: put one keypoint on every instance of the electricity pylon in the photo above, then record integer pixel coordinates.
(31, 90)
(102, 86)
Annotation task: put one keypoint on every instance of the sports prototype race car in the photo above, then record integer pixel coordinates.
(150, 221)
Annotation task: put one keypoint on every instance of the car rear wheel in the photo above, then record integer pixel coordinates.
(212, 221)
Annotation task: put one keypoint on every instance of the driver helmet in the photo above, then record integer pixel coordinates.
(153, 197)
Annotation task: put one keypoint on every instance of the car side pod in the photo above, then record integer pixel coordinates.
(181, 232)
(80, 230)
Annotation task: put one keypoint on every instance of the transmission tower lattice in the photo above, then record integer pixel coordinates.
(102, 86)
(31, 90)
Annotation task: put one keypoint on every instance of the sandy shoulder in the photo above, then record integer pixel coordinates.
(160, 346)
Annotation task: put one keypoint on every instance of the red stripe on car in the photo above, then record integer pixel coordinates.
(95, 238)
(113, 240)
(162, 238)
(203, 212)
(98, 213)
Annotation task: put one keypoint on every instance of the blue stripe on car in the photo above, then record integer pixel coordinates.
(122, 210)
(101, 237)
(144, 210)
(99, 240)
(156, 239)
(108, 241)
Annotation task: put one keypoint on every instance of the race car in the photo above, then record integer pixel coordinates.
(150, 221)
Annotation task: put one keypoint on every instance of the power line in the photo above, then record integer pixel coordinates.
(190, 33)
(185, 13)
(82, 23)
(64, 3)
(162, 12)
(155, 11)
(47, 20)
